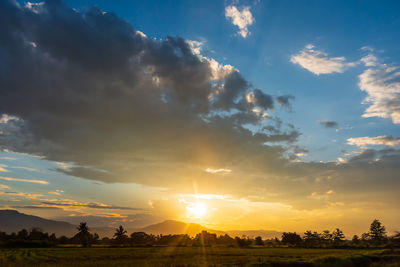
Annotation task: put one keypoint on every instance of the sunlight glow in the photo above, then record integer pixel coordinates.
(196, 210)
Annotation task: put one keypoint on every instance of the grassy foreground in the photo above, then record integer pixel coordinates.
(196, 256)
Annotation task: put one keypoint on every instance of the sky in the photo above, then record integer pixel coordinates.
(279, 115)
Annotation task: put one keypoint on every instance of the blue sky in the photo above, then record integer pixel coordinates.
(280, 30)
(105, 137)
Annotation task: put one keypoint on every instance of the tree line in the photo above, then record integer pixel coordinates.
(376, 236)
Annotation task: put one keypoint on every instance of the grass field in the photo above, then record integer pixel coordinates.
(196, 256)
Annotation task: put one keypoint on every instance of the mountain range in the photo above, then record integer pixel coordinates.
(13, 221)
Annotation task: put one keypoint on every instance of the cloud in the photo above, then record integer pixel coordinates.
(369, 60)
(122, 107)
(319, 62)
(381, 82)
(284, 100)
(5, 118)
(257, 98)
(378, 140)
(23, 180)
(26, 168)
(35, 207)
(21, 194)
(130, 221)
(71, 203)
(8, 158)
(221, 171)
(118, 106)
(57, 192)
(195, 46)
(242, 18)
(328, 124)
(3, 186)
(3, 168)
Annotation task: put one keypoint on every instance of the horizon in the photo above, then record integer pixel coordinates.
(107, 231)
(234, 115)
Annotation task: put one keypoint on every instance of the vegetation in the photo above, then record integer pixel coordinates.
(197, 256)
(140, 249)
(376, 237)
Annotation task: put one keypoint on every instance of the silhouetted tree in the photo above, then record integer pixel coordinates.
(326, 237)
(311, 239)
(377, 232)
(226, 240)
(120, 235)
(175, 240)
(205, 239)
(396, 239)
(291, 238)
(242, 242)
(23, 234)
(35, 234)
(142, 239)
(258, 241)
(95, 238)
(355, 240)
(338, 236)
(83, 234)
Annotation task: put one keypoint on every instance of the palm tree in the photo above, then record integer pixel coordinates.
(120, 235)
(83, 234)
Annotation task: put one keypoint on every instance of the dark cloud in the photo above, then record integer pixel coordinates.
(87, 205)
(329, 124)
(130, 221)
(35, 207)
(365, 156)
(120, 107)
(284, 100)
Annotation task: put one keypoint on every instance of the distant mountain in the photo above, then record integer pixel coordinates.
(265, 234)
(176, 227)
(13, 221)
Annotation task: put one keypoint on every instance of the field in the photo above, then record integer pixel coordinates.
(196, 256)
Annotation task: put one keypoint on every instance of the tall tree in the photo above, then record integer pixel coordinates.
(338, 236)
(377, 232)
(83, 234)
(120, 235)
(311, 239)
(326, 236)
(291, 238)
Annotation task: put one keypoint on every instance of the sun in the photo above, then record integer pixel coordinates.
(196, 210)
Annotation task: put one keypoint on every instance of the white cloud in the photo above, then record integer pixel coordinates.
(378, 140)
(218, 71)
(218, 171)
(3, 186)
(319, 62)
(3, 168)
(241, 18)
(143, 35)
(23, 180)
(369, 60)
(5, 118)
(195, 46)
(22, 194)
(382, 84)
(57, 192)
(26, 168)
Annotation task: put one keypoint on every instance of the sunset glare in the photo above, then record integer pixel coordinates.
(196, 210)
